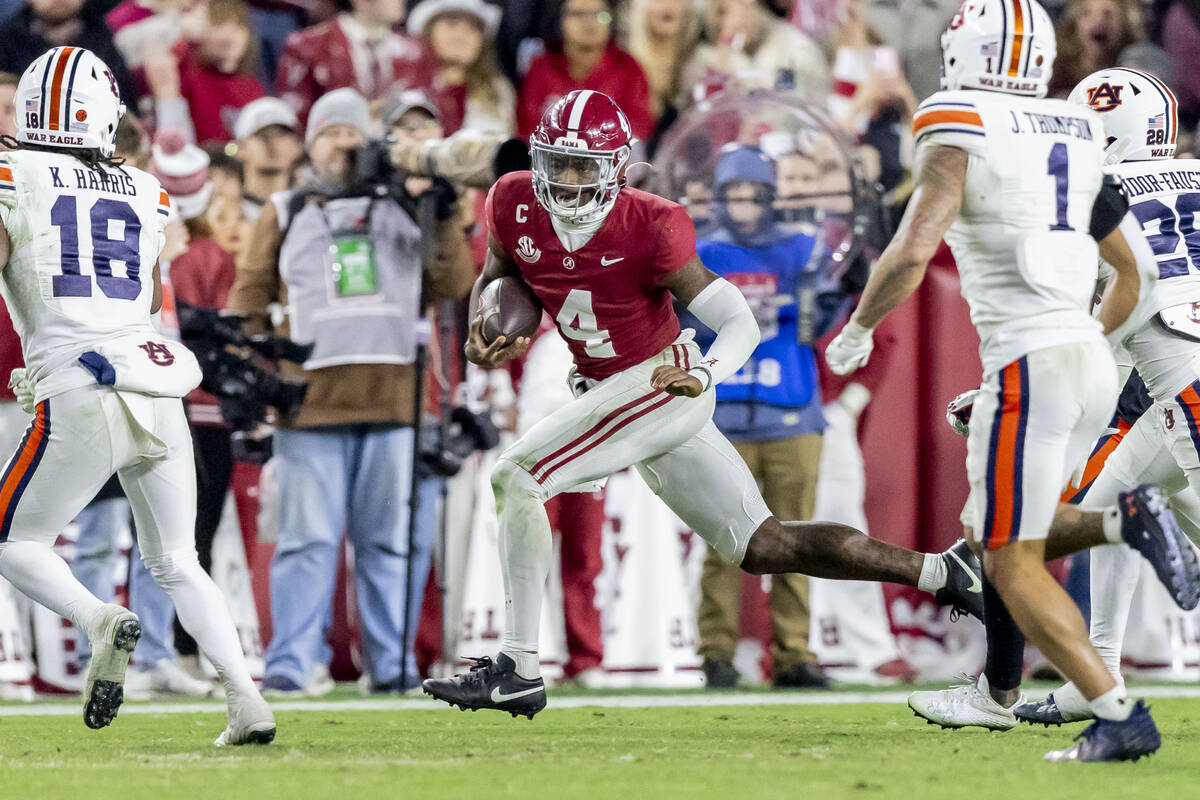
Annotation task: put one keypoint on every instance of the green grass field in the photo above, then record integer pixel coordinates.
(817, 751)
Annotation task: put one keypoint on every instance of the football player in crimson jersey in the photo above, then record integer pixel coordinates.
(606, 262)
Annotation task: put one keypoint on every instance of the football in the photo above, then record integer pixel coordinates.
(509, 308)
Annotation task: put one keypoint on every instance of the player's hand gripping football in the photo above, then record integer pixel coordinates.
(673, 380)
(478, 351)
(850, 349)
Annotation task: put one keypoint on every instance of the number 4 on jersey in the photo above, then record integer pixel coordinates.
(577, 322)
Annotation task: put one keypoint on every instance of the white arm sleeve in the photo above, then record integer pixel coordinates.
(721, 307)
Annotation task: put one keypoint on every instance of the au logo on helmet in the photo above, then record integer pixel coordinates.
(1104, 97)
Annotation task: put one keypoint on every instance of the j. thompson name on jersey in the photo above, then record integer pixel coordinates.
(1051, 124)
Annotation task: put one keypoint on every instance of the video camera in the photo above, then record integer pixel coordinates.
(244, 388)
(443, 450)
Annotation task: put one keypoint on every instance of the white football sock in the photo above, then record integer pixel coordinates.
(1115, 572)
(204, 614)
(526, 549)
(38, 573)
(1112, 705)
(933, 573)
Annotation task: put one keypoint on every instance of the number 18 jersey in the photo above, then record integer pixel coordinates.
(83, 244)
(1027, 263)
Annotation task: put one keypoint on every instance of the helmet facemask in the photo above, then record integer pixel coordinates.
(576, 185)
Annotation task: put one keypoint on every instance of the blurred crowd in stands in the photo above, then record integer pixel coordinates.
(234, 102)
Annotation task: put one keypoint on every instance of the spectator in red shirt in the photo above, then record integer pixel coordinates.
(585, 58)
(213, 77)
(471, 91)
(358, 49)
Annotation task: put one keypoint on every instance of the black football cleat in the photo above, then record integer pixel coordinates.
(963, 591)
(1109, 740)
(490, 684)
(1149, 527)
(1046, 712)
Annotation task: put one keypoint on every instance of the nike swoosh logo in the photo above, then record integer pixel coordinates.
(976, 584)
(604, 262)
(500, 697)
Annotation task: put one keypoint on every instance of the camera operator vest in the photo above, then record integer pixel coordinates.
(352, 267)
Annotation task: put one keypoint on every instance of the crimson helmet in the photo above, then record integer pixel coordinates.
(579, 152)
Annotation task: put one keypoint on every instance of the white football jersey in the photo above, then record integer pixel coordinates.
(1164, 196)
(1027, 263)
(83, 247)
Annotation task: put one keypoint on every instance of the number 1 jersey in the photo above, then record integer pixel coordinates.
(607, 296)
(83, 244)
(1027, 263)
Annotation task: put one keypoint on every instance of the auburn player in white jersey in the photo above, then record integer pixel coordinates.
(1011, 180)
(79, 242)
(1163, 447)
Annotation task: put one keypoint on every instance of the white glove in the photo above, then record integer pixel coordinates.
(850, 349)
(958, 411)
(22, 387)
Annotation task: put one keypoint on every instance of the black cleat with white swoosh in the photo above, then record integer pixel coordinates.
(963, 591)
(490, 684)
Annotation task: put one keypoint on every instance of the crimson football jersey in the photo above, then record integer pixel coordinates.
(606, 297)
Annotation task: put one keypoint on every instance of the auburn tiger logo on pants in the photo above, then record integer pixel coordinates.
(158, 353)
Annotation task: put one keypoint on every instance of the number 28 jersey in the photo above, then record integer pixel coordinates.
(83, 244)
(606, 297)
(1026, 261)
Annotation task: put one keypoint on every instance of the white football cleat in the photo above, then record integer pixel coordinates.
(114, 633)
(965, 705)
(250, 722)
(168, 676)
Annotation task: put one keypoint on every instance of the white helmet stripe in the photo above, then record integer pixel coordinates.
(577, 108)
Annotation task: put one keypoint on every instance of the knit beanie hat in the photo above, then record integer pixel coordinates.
(182, 169)
(339, 107)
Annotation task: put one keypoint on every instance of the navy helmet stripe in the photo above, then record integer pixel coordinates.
(45, 84)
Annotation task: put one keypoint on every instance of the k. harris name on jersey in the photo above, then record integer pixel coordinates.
(83, 178)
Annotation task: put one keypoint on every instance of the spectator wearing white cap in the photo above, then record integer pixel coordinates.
(268, 145)
(468, 81)
(349, 272)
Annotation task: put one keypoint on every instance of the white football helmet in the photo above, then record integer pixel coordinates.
(68, 97)
(999, 45)
(1138, 109)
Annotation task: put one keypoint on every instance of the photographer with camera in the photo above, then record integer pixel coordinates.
(343, 255)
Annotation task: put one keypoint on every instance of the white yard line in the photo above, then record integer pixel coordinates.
(58, 709)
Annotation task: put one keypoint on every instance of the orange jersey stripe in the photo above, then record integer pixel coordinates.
(1006, 467)
(1192, 399)
(56, 85)
(927, 118)
(6, 174)
(1014, 64)
(164, 199)
(24, 459)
